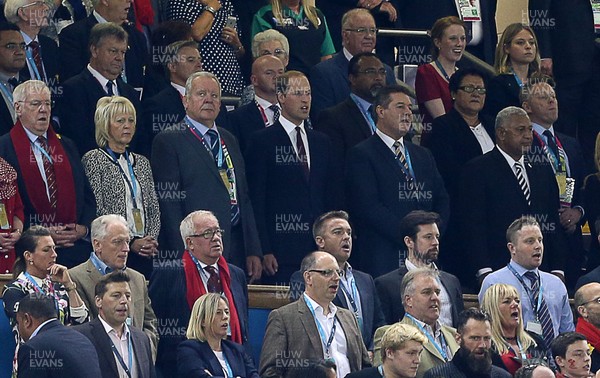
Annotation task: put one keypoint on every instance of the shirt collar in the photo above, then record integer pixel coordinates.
(100, 19)
(540, 129)
(363, 103)
(180, 89)
(289, 126)
(200, 126)
(263, 103)
(318, 309)
(411, 266)
(99, 264)
(510, 160)
(37, 330)
(109, 329)
(388, 140)
(32, 137)
(101, 79)
(438, 326)
(521, 270)
(347, 54)
(27, 39)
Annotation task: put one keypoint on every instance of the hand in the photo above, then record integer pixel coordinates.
(546, 66)
(370, 354)
(270, 265)
(63, 236)
(216, 4)
(388, 8)
(569, 218)
(59, 273)
(368, 4)
(230, 36)
(7, 241)
(254, 268)
(146, 246)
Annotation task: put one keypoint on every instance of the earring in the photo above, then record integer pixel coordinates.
(31, 262)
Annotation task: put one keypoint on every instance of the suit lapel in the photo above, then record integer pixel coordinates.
(103, 345)
(350, 332)
(139, 353)
(385, 155)
(506, 170)
(193, 144)
(310, 327)
(361, 124)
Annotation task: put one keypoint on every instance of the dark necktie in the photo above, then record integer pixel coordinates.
(13, 82)
(49, 171)
(213, 143)
(522, 182)
(402, 160)
(109, 88)
(214, 282)
(543, 314)
(302, 152)
(276, 112)
(37, 58)
(551, 142)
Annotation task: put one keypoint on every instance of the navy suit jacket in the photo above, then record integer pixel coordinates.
(75, 53)
(95, 332)
(243, 122)
(58, 351)
(196, 359)
(388, 288)
(168, 293)
(158, 112)
(77, 106)
(369, 302)
(491, 200)
(378, 197)
(330, 85)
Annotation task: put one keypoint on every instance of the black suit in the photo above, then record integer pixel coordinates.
(96, 333)
(183, 167)
(159, 112)
(6, 121)
(50, 57)
(369, 302)
(77, 106)
(75, 53)
(379, 196)
(243, 122)
(502, 91)
(491, 200)
(58, 351)
(388, 288)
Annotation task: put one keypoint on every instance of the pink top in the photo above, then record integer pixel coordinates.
(429, 85)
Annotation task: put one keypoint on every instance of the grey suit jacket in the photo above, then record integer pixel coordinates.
(292, 336)
(430, 356)
(86, 276)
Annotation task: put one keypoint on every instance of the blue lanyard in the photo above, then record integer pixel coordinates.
(204, 142)
(442, 70)
(411, 172)
(131, 184)
(118, 355)
(42, 151)
(229, 372)
(50, 290)
(365, 112)
(517, 78)
(32, 63)
(522, 352)
(528, 291)
(7, 92)
(326, 344)
(380, 370)
(442, 348)
(353, 299)
(557, 161)
(32, 280)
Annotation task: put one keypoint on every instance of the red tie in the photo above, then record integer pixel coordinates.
(49, 171)
(214, 282)
(37, 58)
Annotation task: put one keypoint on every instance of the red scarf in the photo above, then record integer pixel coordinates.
(66, 210)
(589, 331)
(195, 289)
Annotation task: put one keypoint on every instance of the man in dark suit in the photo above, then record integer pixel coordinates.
(102, 77)
(131, 351)
(386, 178)
(50, 348)
(42, 52)
(265, 110)
(74, 41)
(53, 186)
(176, 284)
(198, 165)
(333, 235)
(299, 331)
(166, 107)
(329, 79)
(421, 235)
(12, 60)
(501, 186)
(561, 154)
(289, 175)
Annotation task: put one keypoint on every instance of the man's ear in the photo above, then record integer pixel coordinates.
(458, 338)
(409, 242)
(582, 311)
(320, 242)
(98, 301)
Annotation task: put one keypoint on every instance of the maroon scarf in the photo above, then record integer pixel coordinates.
(590, 331)
(65, 211)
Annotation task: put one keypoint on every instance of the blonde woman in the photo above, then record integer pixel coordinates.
(305, 28)
(206, 352)
(509, 338)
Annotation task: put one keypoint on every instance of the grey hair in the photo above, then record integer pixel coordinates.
(267, 36)
(354, 12)
(506, 114)
(186, 227)
(407, 287)
(22, 90)
(190, 80)
(11, 9)
(100, 225)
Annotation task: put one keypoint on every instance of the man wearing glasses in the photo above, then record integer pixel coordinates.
(110, 241)
(176, 285)
(12, 60)
(313, 327)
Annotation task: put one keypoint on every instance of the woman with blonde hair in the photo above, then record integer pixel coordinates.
(206, 352)
(509, 338)
(305, 27)
(517, 59)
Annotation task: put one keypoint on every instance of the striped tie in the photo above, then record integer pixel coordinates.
(522, 182)
(543, 314)
(400, 156)
(49, 171)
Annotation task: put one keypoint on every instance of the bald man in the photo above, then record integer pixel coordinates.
(587, 303)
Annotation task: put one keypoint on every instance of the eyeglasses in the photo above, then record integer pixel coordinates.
(38, 104)
(373, 72)
(35, 3)
(277, 52)
(15, 46)
(471, 89)
(364, 31)
(119, 242)
(208, 234)
(327, 273)
(597, 300)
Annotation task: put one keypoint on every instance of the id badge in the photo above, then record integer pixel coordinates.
(137, 222)
(561, 179)
(4, 225)
(224, 178)
(596, 12)
(535, 327)
(469, 11)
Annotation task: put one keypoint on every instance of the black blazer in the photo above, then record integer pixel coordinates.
(196, 359)
(388, 288)
(369, 302)
(58, 351)
(502, 91)
(243, 122)
(94, 331)
(77, 106)
(75, 53)
(158, 113)
(50, 57)
(378, 198)
(491, 200)
(6, 121)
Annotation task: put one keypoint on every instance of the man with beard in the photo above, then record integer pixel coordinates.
(572, 355)
(421, 237)
(473, 359)
(587, 304)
